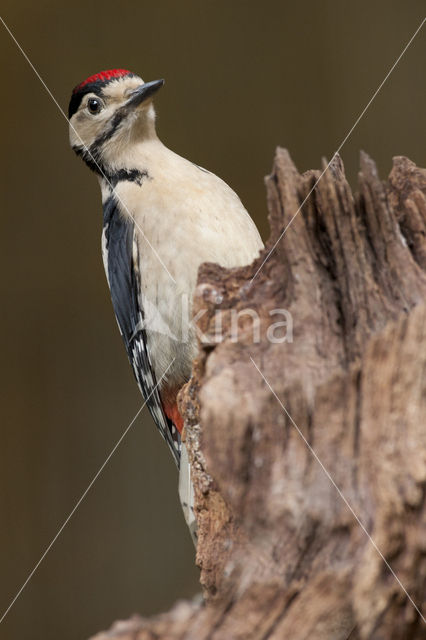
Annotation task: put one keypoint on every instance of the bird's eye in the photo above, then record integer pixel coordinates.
(94, 105)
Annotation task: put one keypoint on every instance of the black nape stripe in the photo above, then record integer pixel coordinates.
(131, 175)
(113, 177)
(92, 161)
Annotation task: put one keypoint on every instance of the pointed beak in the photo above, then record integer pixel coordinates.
(144, 92)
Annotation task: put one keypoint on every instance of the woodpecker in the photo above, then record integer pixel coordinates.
(162, 217)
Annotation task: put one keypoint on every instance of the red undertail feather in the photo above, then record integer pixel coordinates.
(172, 412)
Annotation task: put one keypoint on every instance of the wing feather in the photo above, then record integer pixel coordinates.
(121, 260)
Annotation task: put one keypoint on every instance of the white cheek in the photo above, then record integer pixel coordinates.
(85, 128)
(72, 136)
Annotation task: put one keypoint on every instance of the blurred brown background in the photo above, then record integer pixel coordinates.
(241, 77)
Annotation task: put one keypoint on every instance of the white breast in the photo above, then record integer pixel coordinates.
(184, 216)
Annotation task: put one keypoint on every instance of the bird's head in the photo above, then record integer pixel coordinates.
(108, 111)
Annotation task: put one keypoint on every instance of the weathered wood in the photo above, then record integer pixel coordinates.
(300, 448)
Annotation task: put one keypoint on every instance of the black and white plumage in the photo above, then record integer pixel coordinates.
(120, 252)
(163, 217)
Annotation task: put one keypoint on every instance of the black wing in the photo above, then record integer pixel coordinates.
(120, 250)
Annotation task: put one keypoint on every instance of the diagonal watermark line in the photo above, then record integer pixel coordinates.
(82, 497)
(345, 139)
(339, 492)
(86, 148)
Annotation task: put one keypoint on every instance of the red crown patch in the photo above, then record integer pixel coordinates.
(102, 76)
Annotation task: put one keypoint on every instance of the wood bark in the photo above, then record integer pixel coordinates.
(309, 455)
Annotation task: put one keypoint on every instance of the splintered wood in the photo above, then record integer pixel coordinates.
(309, 453)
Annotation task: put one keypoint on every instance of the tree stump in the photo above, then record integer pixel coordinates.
(309, 454)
